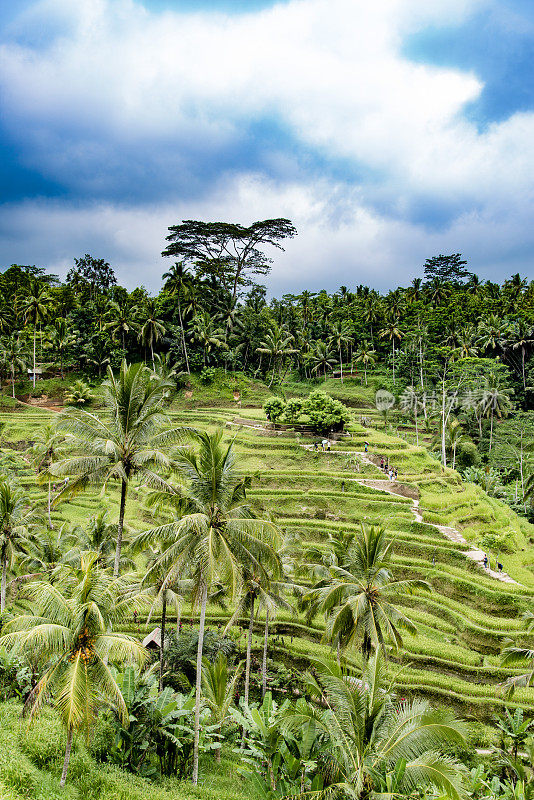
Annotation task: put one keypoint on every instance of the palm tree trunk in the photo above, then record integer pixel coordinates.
(491, 430)
(183, 336)
(3, 586)
(249, 650)
(13, 380)
(393, 347)
(365, 372)
(49, 506)
(34, 345)
(162, 629)
(523, 366)
(61, 361)
(341, 364)
(152, 354)
(264, 662)
(198, 688)
(416, 428)
(68, 748)
(120, 528)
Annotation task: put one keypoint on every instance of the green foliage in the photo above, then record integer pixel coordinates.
(80, 394)
(325, 413)
(274, 408)
(293, 409)
(207, 375)
(15, 675)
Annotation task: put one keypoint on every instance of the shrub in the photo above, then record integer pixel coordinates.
(274, 408)
(325, 413)
(293, 409)
(208, 375)
(80, 394)
(467, 455)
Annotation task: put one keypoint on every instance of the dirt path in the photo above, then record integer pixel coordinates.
(452, 534)
(46, 406)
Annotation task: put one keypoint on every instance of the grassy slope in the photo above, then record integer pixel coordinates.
(454, 658)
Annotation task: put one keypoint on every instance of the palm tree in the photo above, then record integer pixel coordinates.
(18, 522)
(178, 282)
(365, 355)
(466, 347)
(216, 537)
(35, 310)
(357, 599)
(305, 301)
(492, 332)
(131, 440)
(392, 332)
(322, 358)
(277, 345)
(379, 747)
(69, 633)
(152, 329)
(373, 314)
(340, 337)
(46, 447)
(522, 338)
(14, 356)
(121, 322)
(218, 689)
(454, 436)
(410, 402)
(495, 401)
(61, 338)
(206, 333)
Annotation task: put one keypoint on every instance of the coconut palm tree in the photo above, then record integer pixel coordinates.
(378, 746)
(69, 634)
(322, 359)
(492, 333)
(132, 439)
(207, 333)
(47, 446)
(61, 338)
(35, 311)
(18, 525)
(277, 345)
(152, 329)
(357, 600)
(14, 355)
(177, 283)
(121, 322)
(392, 331)
(495, 401)
(365, 355)
(215, 538)
(338, 339)
(522, 339)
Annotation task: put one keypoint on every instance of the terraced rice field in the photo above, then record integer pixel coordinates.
(461, 624)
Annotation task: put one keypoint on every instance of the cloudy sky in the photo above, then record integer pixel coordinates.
(387, 131)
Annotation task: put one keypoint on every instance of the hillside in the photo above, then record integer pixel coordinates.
(454, 658)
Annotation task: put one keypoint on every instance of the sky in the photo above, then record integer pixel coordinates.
(388, 132)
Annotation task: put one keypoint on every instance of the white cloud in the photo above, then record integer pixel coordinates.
(331, 70)
(357, 246)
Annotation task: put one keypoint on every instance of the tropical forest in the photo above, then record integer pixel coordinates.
(256, 547)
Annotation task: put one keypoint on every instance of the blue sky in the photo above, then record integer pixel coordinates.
(388, 132)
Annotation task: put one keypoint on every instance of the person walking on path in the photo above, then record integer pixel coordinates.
(485, 561)
(382, 463)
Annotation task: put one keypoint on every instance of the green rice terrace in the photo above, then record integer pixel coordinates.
(440, 527)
